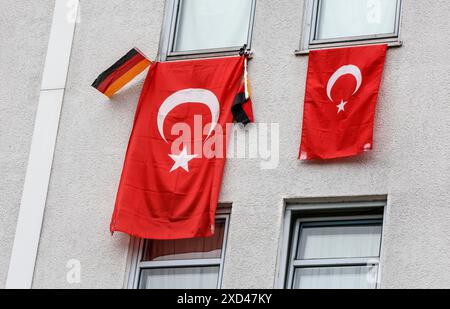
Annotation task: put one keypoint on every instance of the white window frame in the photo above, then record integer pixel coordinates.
(168, 37)
(290, 236)
(310, 21)
(294, 263)
(137, 250)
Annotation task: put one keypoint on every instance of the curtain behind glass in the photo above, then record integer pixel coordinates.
(336, 278)
(180, 278)
(206, 24)
(347, 18)
(186, 249)
(339, 242)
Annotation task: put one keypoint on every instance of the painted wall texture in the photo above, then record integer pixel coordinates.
(410, 163)
(23, 45)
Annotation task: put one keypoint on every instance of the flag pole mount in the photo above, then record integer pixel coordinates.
(244, 51)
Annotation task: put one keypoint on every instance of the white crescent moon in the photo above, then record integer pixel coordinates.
(203, 96)
(346, 69)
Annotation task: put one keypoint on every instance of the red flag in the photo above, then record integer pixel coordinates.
(170, 183)
(341, 96)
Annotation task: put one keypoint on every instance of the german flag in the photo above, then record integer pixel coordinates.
(243, 106)
(121, 73)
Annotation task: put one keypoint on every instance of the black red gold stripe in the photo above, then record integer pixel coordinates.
(121, 72)
(242, 108)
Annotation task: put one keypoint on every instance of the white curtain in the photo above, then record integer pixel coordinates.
(339, 242)
(336, 278)
(346, 18)
(205, 24)
(180, 278)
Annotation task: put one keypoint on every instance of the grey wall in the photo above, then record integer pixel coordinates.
(91, 146)
(410, 162)
(23, 45)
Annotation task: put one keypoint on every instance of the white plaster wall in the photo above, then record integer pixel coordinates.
(410, 162)
(91, 146)
(23, 45)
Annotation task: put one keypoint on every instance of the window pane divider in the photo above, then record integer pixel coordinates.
(337, 262)
(180, 263)
(393, 43)
(353, 39)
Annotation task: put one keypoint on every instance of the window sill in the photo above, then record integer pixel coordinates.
(397, 43)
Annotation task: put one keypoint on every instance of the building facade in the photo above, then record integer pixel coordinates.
(380, 220)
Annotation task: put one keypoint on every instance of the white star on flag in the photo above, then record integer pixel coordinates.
(341, 107)
(182, 160)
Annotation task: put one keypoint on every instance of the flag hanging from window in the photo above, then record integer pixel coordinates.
(243, 107)
(340, 102)
(121, 73)
(176, 156)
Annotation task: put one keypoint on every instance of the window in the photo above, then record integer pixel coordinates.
(180, 264)
(331, 23)
(206, 27)
(333, 248)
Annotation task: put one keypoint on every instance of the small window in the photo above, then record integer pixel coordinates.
(207, 27)
(180, 264)
(333, 248)
(351, 22)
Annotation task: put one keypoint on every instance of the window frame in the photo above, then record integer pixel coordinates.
(169, 33)
(294, 217)
(310, 22)
(295, 263)
(136, 266)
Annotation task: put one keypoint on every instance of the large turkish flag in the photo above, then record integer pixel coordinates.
(340, 102)
(170, 187)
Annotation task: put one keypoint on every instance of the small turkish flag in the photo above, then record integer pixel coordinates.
(176, 156)
(341, 97)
